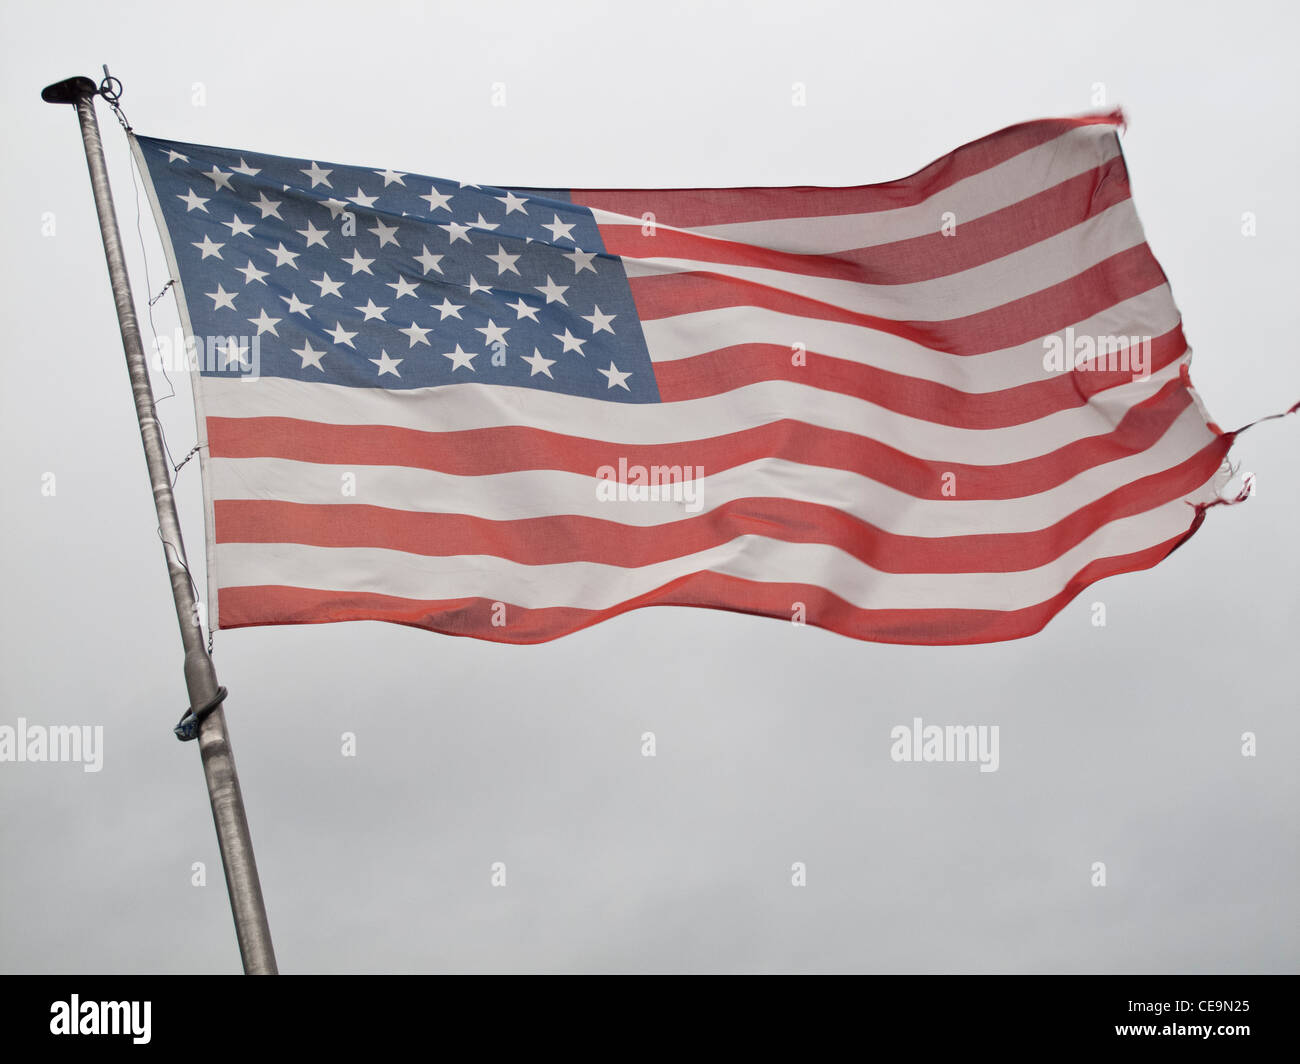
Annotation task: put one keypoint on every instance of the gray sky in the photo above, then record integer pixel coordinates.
(1118, 744)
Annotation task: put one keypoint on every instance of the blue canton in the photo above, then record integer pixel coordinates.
(380, 279)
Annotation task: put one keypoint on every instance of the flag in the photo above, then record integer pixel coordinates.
(926, 411)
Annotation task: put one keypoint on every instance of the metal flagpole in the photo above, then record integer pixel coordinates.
(200, 676)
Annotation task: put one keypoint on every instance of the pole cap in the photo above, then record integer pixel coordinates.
(70, 90)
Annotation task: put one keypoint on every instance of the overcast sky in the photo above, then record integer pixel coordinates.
(1119, 744)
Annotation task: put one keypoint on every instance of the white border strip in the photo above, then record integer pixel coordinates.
(200, 419)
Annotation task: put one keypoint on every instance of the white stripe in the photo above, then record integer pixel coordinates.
(992, 284)
(1074, 152)
(546, 492)
(590, 585)
(450, 408)
(1152, 313)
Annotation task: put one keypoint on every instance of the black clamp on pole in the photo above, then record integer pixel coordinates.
(187, 729)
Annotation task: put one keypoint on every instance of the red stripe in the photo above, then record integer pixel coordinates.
(241, 607)
(1121, 276)
(687, 208)
(921, 258)
(557, 539)
(475, 452)
(734, 367)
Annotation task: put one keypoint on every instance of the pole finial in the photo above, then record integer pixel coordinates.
(69, 90)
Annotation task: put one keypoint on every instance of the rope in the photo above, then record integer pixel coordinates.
(180, 558)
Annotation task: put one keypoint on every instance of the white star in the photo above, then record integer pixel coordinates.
(403, 287)
(456, 231)
(358, 264)
(318, 176)
(218, 179)
(341, 336)
(173, 155)
(385, 233)
(372, 311)
(540, 364)
(523, 310)
(461, 358)
(234, 352)
(512, 202)
(309, 356)
(265, 323)
(474, 286)
(362, 200)
(336, 206)
(448, 309)
(314, 235)
(238, 228)
(328, 287)
(270, 208)
(599, 322)
(296, 305)
(581, 260)
(285, 257)
(570, 342)
(493, 333)
(427, 259)
(553, 292)
(208, 248)
(221, 298)
(251, 273)
(245, 169)
(483, 223)
(416, 339)
(615, 377)
(390, 176)
(386, 364)
(504, 262)
(560, 230)
(192, 201)
(437, 200)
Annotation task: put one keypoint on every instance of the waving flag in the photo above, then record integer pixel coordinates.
(925, 411)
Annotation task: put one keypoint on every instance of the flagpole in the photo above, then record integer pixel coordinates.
(251, 927)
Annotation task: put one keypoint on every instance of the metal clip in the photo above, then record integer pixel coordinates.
(110, 88)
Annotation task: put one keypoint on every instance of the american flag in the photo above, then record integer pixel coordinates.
(926, 411)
